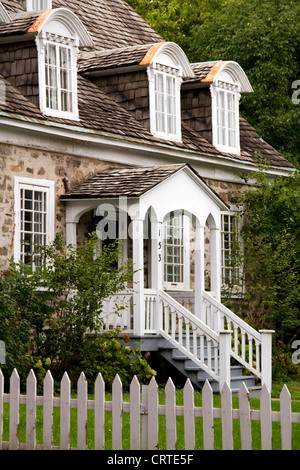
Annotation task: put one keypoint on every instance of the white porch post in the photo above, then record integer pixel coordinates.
(137, 229)
(225, 346)
(266, 358)
(157, 267)
(215, 258)
(199, 270)
(71, 233)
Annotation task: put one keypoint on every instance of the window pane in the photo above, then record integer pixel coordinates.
(33, 224)
(174, 250)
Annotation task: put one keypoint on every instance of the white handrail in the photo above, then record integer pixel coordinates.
(190, 335)
(246, 341)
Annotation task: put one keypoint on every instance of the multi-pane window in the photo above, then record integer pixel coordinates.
(33, 223)
(165, 103)
(174, 250)
(230, 250)
(226, 118)
(58, 77)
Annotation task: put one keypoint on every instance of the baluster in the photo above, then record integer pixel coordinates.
(187, 336)
(236, 339)
(201, 347)
(180, 329)
(166, 318)
(243, 345)
(208, 353)
(216, 356)
(195, 342)
(257, 352)
(250, 351)
(173, 323)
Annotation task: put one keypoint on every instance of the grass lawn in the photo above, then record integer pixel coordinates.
(294, 388)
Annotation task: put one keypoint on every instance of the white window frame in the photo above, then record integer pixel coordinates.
(184, 283)
(164, 72)
(38, 5)
(228, 90)
(44, 186)
(59, 42)
(226, 240)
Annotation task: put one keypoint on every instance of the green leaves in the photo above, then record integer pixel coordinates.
(45, 314)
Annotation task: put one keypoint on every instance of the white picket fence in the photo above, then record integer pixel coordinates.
(144, 413)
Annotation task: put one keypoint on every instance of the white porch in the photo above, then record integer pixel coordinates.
(162, 222)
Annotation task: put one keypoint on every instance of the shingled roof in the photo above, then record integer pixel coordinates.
(129, 182)
(121, 39)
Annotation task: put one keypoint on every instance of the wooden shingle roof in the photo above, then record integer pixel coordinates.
(129, 182)
(121, 39)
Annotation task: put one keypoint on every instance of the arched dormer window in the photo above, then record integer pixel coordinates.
(59, 38)
(228, 84)
(167, 65)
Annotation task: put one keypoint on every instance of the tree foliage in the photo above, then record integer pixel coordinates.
(263, 36)
(271, 242)
(49, 317)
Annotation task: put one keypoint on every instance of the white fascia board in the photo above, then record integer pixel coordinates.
(125, 150)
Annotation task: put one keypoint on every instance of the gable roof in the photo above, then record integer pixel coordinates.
(132, 183)
(121, 39)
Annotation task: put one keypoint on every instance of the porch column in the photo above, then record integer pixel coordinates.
(199, 270)
(157, 267)
(71, 233)
(215, 256)
(137, 232)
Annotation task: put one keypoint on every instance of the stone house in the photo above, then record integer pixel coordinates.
(105, 125)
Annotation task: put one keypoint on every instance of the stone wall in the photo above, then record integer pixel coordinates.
(64, 170)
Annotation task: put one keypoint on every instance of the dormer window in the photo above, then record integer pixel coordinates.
(58, 42)
(227, 134)
(59, 79)
(39, 5)
(166, 68)
(167, 102)
(229, 81)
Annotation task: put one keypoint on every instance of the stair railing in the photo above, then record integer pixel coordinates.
(249, 347)
(205, 347)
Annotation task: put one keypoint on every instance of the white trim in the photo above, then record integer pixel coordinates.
(4, 16)
(33, 183)
(176, 136)
(47, 5)
(216, 90)
(69, 139)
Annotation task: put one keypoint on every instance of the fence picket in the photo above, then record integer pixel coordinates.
(189, 418)
(286, 419)
(208, 417)
(65, 412)
(117, 413)
(171, 440)
(245, 419)
(99, 410)
(31, 411)
(48, 411)
(152, 415)
(226, 413)
(82, 412)
(135, 420)
(265, 419)
(1, 406)
(14, 416)
(145, 412)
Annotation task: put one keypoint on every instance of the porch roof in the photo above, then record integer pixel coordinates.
(129, 182)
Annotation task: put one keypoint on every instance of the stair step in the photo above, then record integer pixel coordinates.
(198, 376)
